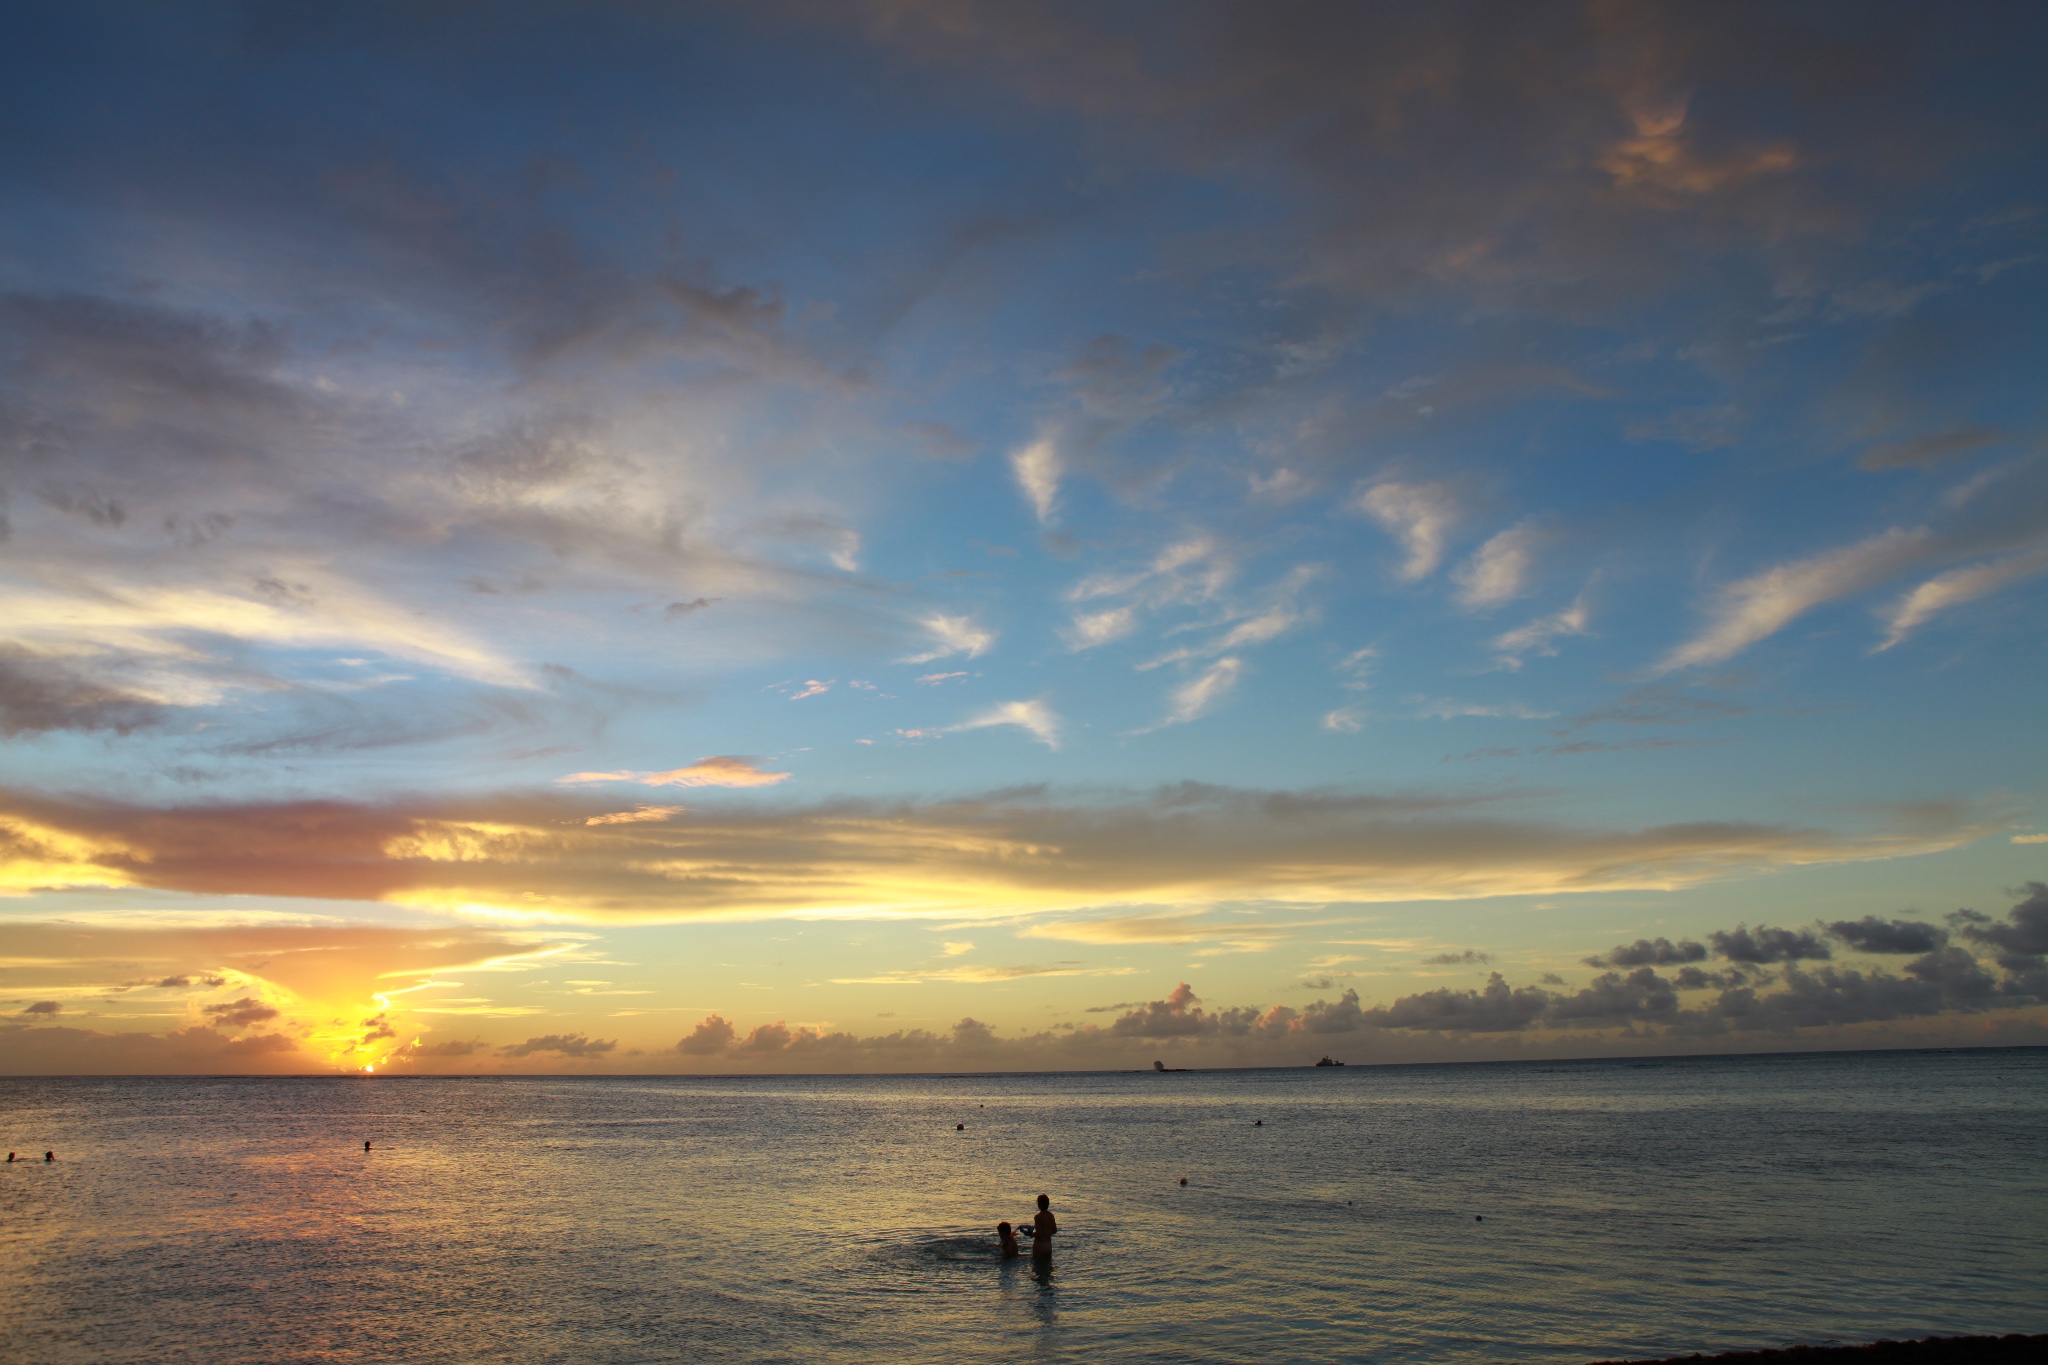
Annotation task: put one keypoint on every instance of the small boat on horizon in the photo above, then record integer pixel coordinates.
(1328, 1061)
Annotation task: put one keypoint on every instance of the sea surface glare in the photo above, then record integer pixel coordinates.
(1629, 1208)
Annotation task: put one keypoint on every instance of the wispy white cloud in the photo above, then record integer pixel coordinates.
(722, 770)
(1267, 625)
(934, 679)
(1034, 716)
(1091, 628)
(1446, 708)
(1038, 467)
(1201, 694)
(1541, 635)
(1354, 674)
(1419, 515)
(1757, 607)
(1499, 571)
(813, 687)
(951, 635)
(1163, 578)
(1957, 586)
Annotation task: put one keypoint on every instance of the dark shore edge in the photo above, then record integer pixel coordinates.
(2006, 1350)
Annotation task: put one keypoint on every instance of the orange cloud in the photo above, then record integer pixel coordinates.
(723, 770)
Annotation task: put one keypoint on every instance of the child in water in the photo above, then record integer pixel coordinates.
(1007, 1238)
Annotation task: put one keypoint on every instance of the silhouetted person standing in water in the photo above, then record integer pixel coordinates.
(1043, 1226)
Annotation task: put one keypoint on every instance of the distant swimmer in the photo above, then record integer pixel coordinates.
(1008, 1239)
(1183, 1180)
(959, 1127)
(1258, 1123)
(1043, 1226)
(10, 1157)
(49, 1156)
(366, 1144)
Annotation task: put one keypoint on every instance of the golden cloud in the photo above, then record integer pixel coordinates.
(720, 770)
(535, 857)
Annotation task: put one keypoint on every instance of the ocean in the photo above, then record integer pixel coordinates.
(1542, 1211)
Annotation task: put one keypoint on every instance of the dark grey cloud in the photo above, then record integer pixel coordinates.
(713, 1034)
(1873, 935)
(39, 694)
(1659, 952)
(236, 1014)
(1766, 944)
(452, 1047)
(44, 1008)
(2024, 935)
(1495, 1008)
(1181, 1015)
(675, 610)
(1698, 979)
(565, 1044)
(1470, 955)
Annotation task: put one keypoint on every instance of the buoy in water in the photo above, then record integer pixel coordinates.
(1183, 1180)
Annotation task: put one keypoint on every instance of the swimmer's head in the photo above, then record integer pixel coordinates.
(1002, 1229)
(1044, 1201)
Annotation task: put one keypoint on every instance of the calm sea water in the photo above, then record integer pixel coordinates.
(1628, 1208)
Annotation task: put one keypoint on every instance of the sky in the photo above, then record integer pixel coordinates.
(937, 535)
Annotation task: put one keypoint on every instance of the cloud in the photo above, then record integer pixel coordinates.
(639, 815)
(1766, 944)
(1873, 935)
(1928, 450)
(720, 770)
(1201, 694)
(1499, 571)
(44, 1009)
(1446, 708)
(1660, 952)
(1957, 586)
(1033, 716)
(1495, 1008)
(1540, 636)
(450, 1048)
(2024, 935)
(236, 1014)
(1418, 516)
(952, 635)
(1757, 607)
(562, 1044)
(40, 693)
(1037, 468)
(712, 1035)
(1091, 628)
(933, 679)
(517, 858)
(1160, 928)
(1469, 956)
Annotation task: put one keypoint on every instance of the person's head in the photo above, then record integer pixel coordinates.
(1003, 1231)
(1044, 1201)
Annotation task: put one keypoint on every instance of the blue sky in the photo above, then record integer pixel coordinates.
(1202, 527)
